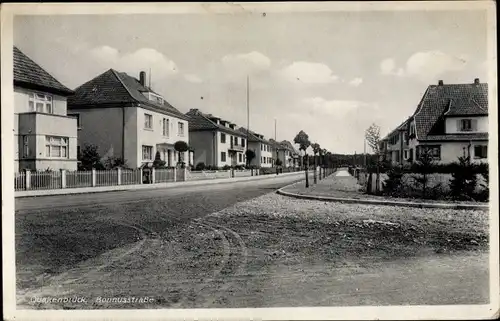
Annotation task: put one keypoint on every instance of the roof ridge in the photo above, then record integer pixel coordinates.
(116, 74)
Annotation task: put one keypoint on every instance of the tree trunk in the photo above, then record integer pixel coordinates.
(307, 172)
(315, 168)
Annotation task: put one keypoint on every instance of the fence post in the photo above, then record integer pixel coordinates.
(27, 184)
(94, 179)
(63, 178)
(153, 176)
(119, 170)
(175, 174)
(141, 172)
(184, 176)
(229, 172)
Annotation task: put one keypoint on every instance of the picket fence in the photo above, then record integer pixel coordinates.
(38, 180)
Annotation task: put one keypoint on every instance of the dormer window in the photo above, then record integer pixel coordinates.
(153, 97)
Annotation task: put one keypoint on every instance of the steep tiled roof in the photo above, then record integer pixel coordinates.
(113, 87)
(252, 137)
(28, 73)
(199, 121)
(467, 99)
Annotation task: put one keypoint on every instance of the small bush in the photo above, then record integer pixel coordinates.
(464, 180)
(393, 185)
(226, 167)
(200, 166)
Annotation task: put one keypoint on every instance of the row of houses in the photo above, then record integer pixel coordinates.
(450, 121)
(125, 118)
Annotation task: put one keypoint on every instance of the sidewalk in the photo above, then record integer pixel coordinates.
(342, 187)
(100, 189)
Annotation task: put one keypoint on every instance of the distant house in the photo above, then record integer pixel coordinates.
(126, 119)
(216, 142)
(45, 137)
(264, 153)
(450, 121)
(286, 153)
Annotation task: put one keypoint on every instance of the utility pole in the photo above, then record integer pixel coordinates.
(248, 117)
(364, 153)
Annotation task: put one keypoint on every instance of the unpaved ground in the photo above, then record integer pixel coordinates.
(277, 251)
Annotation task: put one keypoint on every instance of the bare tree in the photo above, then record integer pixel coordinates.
(372, 135)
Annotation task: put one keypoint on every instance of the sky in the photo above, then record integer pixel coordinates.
(331, 74)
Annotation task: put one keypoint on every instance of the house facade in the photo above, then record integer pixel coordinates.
(45, 136)
(450, 121)
(286, 153)
(263, 148)
(215, 141)
(126, 119)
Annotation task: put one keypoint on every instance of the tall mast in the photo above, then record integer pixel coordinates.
(248, 110)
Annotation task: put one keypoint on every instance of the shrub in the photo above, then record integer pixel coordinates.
(484, 194)
(90, 158)
(464, 180)
(158, 162)
(393, 185)
(239, 167)
(226, 167)
(200, 166)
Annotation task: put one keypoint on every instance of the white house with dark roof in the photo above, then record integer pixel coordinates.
(264, 151)
(45, 137)
(125, 118)
(286, 153)
(450, 121)
(215, 141)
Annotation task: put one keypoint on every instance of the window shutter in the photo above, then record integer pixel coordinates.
(459, 125)
(474, 125)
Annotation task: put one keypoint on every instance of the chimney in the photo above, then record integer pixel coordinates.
(476, 81)
(142, 78)
(440, 83)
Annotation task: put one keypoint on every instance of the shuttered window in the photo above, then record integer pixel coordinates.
(467, 125)
(480, 151)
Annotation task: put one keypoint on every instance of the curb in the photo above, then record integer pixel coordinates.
(380, 202)
(118, 188)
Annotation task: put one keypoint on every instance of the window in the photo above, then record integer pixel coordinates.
(56, 146)
(180, 128)
(261, 147)
(433, 150)
(40, 103)
(166, 126)
(222, 156)
(480, 151)
(26, 149)
(465, 125)
(147, 152)
(242, 142)
(148, 121)
(77, 116)
(222, 138)
(236, 141)
(405, 154)
(240, 157)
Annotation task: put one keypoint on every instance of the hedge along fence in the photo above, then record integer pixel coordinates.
(438, 184)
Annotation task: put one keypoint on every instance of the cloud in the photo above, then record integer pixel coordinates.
(140, 60)
(431, 64)
(193, 78)
(426, 66)
(356, 82)
(321, 106)
(244, 64)
(308, 73)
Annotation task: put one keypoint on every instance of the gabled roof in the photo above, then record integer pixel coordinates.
(448, 100)
(199, 121)
(28, 74)
(254, 137)
(117, 88)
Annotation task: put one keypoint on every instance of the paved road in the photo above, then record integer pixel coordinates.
(226, 194)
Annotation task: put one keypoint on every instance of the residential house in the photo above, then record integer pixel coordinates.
(285, 152)
(264, 152)
(216, 142)
(450, 121)
(126, 119)
(45, 137)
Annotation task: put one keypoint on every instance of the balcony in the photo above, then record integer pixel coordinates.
(47, 124)
(236, 148)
